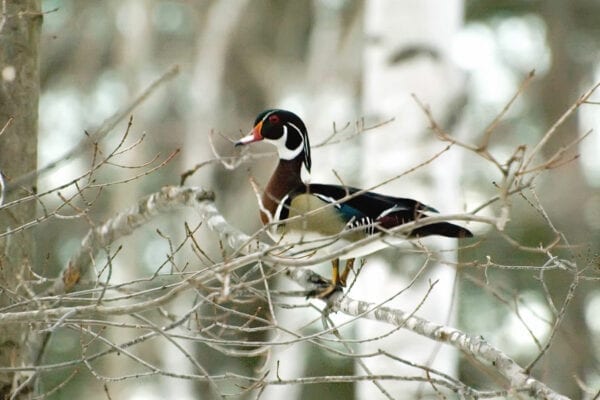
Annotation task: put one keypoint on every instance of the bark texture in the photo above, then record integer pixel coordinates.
(20, 26)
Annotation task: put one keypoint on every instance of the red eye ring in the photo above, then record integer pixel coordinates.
(274, 119)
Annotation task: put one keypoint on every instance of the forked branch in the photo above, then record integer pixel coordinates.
(517, 378)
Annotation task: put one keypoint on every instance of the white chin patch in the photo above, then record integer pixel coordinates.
(284, 152)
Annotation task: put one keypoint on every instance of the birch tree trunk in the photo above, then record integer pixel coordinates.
(406, 52)
(20, 25)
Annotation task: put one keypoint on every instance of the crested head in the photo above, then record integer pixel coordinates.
(283, 129)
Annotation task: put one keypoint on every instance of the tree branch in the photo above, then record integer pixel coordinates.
(97, 135)
(172, 198)
(168, 199)
(475, 346)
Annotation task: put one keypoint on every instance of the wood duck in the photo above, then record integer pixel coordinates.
(316, 218)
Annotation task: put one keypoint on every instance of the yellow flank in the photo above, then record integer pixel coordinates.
(327, 221)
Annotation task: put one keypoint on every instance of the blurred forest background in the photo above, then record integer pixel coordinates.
(339, 64)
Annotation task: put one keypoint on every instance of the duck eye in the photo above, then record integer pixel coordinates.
(274, 119)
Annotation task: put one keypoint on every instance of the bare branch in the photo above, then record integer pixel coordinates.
(7, 125)
(487, 134)
(550, 132)
(475, 346)
(123, 224)
(98, 134)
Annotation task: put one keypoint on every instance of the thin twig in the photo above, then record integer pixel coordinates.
(98, 134)
(550, 132)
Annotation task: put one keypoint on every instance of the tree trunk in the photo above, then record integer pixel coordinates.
(406, 52)
(20, 26)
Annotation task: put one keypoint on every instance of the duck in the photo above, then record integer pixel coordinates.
(309, 219)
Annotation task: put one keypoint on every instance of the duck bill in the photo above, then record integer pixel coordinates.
(254, 136)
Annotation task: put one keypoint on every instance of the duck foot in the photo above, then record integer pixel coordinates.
(325, 288)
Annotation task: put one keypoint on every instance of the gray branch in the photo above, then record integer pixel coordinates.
(475, 346)
(172, 198)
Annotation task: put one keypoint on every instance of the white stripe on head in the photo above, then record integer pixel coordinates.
(302, 138)
(267, 115)
(306, 146)
(284, 152)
